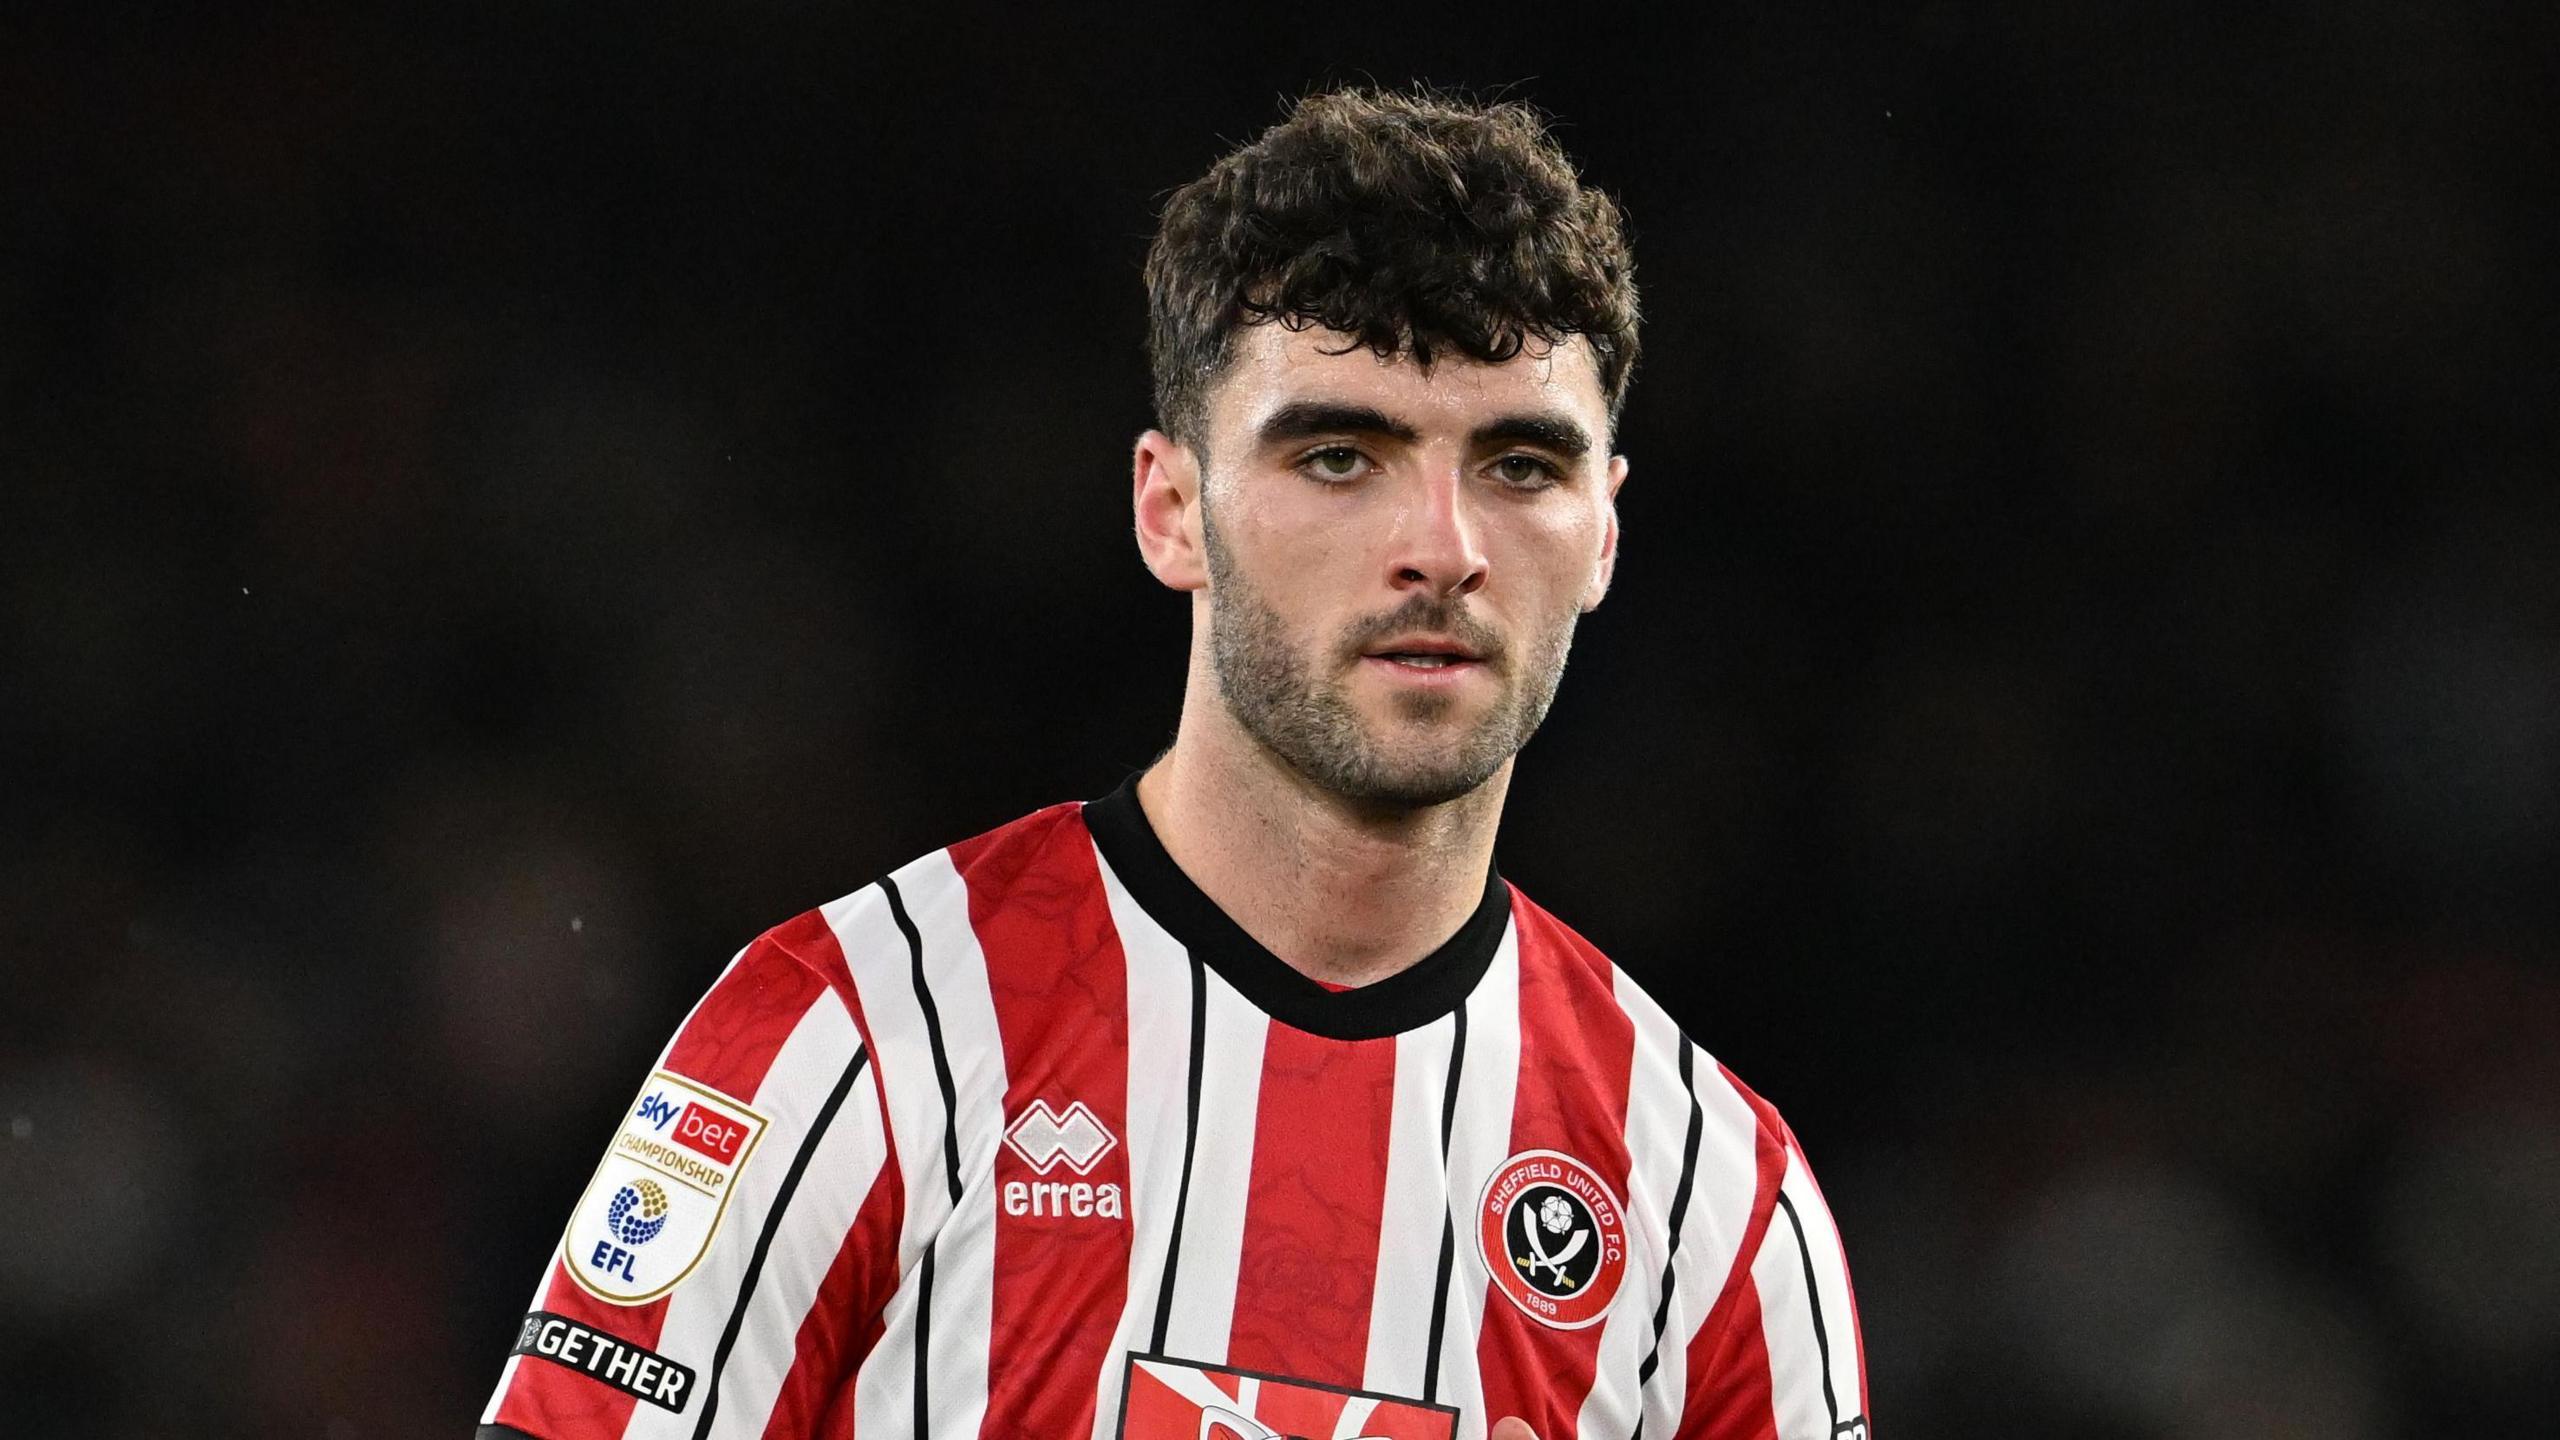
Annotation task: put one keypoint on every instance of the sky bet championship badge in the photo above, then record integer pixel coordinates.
(649, 1214)
(1554, 1237)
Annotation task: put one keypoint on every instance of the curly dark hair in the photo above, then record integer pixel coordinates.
(1413, 222)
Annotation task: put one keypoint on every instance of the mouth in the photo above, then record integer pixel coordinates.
(1422, 648)
(1420, 656)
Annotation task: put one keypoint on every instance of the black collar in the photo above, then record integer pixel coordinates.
(1412, 997)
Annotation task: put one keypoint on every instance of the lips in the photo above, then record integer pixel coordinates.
(1432, 662)
(1425, 652)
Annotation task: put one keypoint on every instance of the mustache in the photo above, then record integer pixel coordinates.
(1439, 616)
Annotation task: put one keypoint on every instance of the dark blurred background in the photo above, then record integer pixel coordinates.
(502, 502)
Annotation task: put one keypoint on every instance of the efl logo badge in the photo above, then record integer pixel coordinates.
(1163, 1399)
(657, 1199)
(1554, 1238)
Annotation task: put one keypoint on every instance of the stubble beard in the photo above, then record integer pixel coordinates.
(1309, 721)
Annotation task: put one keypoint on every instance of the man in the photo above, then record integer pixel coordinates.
(1249, 1100)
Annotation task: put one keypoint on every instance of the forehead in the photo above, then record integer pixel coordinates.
(1272, 366)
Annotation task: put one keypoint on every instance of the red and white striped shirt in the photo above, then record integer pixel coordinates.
(1030, 1139)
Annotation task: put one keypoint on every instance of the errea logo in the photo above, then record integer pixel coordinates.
(1045, 1138)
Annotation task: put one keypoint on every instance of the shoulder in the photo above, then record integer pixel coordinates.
(1667, 1066)
(1705, 1153)
(918, 957)
(884, 921)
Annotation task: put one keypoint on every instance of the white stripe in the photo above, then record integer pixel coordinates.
(1488, 1085)
(1657, 1132)
(1720, 1205)
(1414, 1213)
(1831, 1277)
(1204, 1292)
(1159, 985)
(1192, 1385)
(875, 954)
(964, 1296)
(1233, 1032)
(884, 1398)
(937, 902)
(804, 1071)
(1786, 1326)
(1354, 1416)
(1666, 1396)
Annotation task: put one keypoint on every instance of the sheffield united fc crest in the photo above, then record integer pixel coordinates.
(1554, 1237)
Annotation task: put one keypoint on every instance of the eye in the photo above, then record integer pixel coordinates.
(1334, 464)
(1526, 472)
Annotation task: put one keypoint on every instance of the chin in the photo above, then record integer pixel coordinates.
(1413, 776)
(1409, 791)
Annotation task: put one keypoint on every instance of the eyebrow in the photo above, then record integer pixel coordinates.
(1308, 419)
(1552, 432)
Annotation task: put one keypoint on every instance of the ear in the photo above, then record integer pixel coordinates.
(1165, 493)
(1607, 569)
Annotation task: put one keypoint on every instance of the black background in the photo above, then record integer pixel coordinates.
(1580, 1269)
(499, 503)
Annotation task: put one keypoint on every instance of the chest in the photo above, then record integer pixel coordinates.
(1401, 1218)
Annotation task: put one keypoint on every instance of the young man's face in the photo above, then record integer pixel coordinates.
(1396, 557)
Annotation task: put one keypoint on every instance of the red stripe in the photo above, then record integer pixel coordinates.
(728, 1044)
(1577, 1056)
(846, 1320)
(1060, 987)
(1309, 1259)
(733, 1035)
(1728, 1391)
(812, 941)
(563, 1404)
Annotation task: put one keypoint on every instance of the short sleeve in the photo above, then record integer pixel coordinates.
(724, 1269)
(1782, 1356)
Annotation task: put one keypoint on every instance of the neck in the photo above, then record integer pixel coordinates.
(1345, 893)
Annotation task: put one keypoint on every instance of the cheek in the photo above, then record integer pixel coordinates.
(1559, 553)
(1289, 570)
(1295, 558)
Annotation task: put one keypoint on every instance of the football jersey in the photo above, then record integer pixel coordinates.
(1029, 1138)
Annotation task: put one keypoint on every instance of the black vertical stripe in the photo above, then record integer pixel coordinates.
(764, 1241)
(1190, 1142)
(1448, 1227)
(932, 1035)
(924, 1339)
(1679, 1216)
(950, 1145)
(1813, 1298)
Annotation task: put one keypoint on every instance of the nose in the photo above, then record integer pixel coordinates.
(1437, 548)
